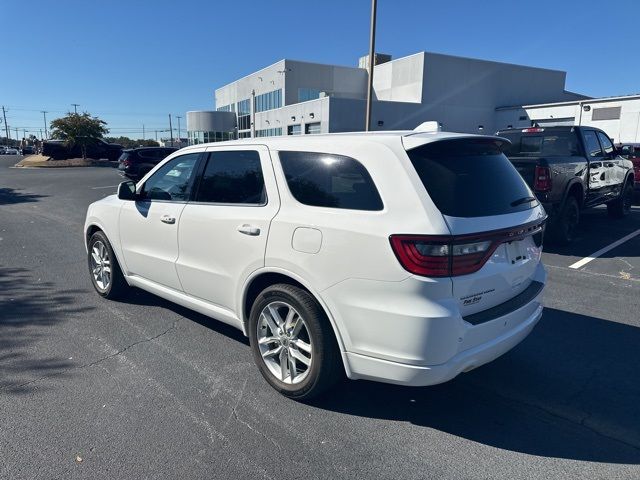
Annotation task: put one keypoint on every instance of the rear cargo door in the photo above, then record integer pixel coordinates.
(489, 209)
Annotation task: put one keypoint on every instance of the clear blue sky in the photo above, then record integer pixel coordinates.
(133, 62)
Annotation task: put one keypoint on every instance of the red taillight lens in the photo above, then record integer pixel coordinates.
(440, 256)
(449, 256)
(542, 182)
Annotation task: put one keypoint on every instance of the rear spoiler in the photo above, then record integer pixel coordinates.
(418, 139)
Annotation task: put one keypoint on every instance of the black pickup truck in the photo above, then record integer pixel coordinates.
(571, 168)
(95, 148)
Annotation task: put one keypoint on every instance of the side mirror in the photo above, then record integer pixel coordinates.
(127, 191)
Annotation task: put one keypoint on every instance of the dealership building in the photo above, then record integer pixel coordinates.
(469, 95)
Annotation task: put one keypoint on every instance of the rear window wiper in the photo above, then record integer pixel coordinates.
(522, 200)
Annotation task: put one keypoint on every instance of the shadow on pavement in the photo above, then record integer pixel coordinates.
(140, 297)
(570, 390)
(10, 196)
(595, 231)
(27, 309)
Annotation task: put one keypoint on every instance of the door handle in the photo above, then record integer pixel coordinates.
(168, 219)
(249, 230)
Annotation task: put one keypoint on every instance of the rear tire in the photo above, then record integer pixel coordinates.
(289, 331)
(565, 225)
(106, 276)
(621, 207)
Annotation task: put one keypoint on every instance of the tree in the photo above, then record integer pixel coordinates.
(78, 129)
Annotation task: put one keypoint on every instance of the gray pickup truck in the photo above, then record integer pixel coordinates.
(571, 168)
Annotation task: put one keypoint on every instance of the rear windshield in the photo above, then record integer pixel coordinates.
(471, 178)
(124, 156)
(550, 144)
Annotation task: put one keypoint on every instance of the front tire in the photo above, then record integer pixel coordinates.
(104, 270)
(621, 207)
(293, 343)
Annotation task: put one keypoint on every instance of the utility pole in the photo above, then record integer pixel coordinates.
(171, 129)
(17, 135)
(156, 135)
(179, 134)
(75, 107)
(44, 113)
(372, 47)
(6, 127)
(143, 131)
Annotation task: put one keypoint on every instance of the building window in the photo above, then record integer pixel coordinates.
(269, 101)
(244, 135)
(269, 132)
(294, 129)
(197, 137)
(244, 114)
(608, 113)
(312, 128)
(225, 108)
(306, 94)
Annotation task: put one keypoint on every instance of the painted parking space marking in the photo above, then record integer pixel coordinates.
(106, 186)
(602, 251)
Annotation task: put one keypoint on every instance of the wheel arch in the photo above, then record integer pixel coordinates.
(576, 189)
(261, 279)
(94, 227)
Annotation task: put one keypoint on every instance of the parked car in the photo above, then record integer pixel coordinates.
(393, 256)
(11, 151)
(28, 150)
(632, 152)
(135, 163)
(96, 148)
(571, 168)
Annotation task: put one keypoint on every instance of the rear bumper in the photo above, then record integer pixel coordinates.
(370, 368)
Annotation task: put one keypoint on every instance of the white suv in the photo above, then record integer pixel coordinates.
(401, 257)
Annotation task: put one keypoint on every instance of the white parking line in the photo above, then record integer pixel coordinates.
(602, 251)
(106, 186)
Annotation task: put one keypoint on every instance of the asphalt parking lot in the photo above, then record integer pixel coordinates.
(145, 389)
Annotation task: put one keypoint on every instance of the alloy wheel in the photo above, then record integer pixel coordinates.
(101, 265)
(284, 342)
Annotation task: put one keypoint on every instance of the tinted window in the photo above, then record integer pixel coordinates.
(172, 180)
(606, 143)
(233, 177)
(470, 178)
(591, 144)
(542, 143)
(324, 180)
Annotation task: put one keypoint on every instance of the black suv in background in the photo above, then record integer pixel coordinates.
(135, 163)
(571, 168)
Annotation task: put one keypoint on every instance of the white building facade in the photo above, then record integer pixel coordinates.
(292, 97)
(619, 117)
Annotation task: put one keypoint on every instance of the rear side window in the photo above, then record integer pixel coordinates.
(544, 143)
(471, 178)
(606, 144)
(233, 177)
(124, 156)
(591, 144)
(326, 180)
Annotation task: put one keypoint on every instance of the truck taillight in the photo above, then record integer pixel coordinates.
(453, 255)
(542, 182)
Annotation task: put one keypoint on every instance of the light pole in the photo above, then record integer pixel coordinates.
(372, 46)
(44, 114)
(171, 129)
(179, 135)
(75, 107)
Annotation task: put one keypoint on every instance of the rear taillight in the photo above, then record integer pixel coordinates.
(126, 163)
(542, 182)
(532, 130)
(449, 256)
